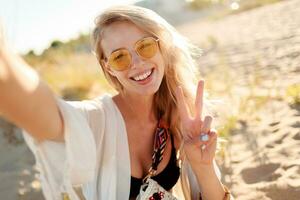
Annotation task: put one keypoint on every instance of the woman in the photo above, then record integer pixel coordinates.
(105, 145)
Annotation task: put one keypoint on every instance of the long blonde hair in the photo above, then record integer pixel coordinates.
(177, 52)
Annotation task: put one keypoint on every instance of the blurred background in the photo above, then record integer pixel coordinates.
(250, 61)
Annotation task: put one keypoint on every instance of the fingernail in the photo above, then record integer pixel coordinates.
(204, 137)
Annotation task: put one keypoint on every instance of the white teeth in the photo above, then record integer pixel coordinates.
(142, 76)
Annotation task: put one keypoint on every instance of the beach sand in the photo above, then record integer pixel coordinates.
(262, 160)
(258, 53)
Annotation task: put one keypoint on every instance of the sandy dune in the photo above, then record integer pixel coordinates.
(258, 49)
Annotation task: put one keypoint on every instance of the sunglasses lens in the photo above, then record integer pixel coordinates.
(120, 59)
(147, 47)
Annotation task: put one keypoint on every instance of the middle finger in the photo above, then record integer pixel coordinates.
(206, 126)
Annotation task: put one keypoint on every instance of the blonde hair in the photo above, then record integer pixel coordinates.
(177, 53)
(180, 69)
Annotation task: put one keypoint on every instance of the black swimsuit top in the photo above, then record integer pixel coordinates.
(167, 178)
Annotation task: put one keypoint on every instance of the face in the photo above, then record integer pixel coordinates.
(143, 76)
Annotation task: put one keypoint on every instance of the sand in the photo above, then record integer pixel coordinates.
(263, 157)
(258, 52)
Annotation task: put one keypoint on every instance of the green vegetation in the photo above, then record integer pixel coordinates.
(202, 4)
(70, 69)
(76, 77)
(81, 44)
(229, 125)
(293, 94)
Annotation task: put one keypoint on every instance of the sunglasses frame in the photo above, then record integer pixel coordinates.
(136, 51)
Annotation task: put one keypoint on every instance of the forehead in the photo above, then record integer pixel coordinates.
(120, 35)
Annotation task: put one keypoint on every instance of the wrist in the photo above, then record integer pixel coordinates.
(209, 183)
(196, 166)
(204, 171)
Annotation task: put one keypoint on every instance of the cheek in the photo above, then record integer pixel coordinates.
(160, 62)
(121, 76)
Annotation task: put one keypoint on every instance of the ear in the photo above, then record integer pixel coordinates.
(106, 67)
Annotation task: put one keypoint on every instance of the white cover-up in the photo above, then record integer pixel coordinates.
(95, 154)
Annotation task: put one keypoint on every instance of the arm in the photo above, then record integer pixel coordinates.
(209, 182)
(25, 99)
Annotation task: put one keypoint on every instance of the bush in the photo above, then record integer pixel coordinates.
(293, 94)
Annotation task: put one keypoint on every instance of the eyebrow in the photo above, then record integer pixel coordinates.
(117, 50)
(146, 36)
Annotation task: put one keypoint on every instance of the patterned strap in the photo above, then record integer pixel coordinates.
(160, 141)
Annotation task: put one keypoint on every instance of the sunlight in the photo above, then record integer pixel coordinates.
(234, 6)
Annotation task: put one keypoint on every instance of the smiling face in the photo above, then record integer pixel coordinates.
(143, 76)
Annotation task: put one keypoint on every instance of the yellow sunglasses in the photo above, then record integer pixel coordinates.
(121, 59)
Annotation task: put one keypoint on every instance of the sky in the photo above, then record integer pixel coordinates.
(33, 24)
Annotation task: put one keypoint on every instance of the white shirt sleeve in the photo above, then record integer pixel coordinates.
(72, 163)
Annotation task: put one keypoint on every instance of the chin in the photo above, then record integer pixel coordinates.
(151, 90)
(147, 92)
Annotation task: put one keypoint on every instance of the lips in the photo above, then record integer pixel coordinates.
(142, 76)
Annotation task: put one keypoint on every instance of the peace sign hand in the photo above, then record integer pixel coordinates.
(199, 139)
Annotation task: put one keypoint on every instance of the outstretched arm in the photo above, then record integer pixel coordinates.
(25, 99)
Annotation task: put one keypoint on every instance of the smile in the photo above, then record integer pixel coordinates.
(143, 76)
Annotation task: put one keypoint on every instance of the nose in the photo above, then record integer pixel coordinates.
(136, 60)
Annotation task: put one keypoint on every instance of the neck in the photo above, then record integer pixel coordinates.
(139, 107)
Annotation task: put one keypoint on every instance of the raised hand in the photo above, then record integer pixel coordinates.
(4, 48)
(2, 39)
(198, 137)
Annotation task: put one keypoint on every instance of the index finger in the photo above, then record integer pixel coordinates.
(199, 100)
